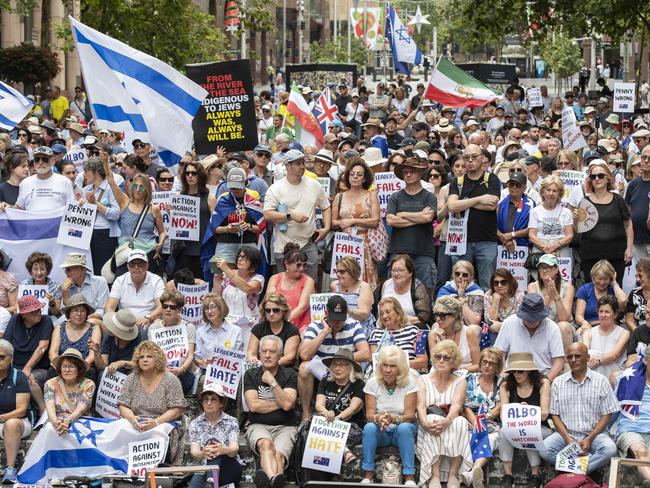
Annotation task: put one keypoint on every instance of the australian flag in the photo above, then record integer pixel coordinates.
(325, 110)
(630, 386)
(322, 460)
(479, 442)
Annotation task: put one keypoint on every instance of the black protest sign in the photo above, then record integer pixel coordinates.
(227, 115)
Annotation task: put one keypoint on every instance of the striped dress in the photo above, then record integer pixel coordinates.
(454, 440)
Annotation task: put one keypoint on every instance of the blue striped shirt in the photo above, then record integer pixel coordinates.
(348, 337)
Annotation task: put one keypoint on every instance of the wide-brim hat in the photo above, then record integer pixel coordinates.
(416, 163)
(443, 125)
(122, 324)
(77, 127)
(521, 361)
(373, 123)
(532, 308)
(612, 119)
(70, 353)
(346, 355)
(75, 301)
(373, 156)
(325, 155)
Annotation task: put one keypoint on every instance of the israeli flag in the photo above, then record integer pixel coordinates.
(137, 94)
(13, 107)
(401, 43)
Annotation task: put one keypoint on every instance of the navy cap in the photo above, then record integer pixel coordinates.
(59, 149)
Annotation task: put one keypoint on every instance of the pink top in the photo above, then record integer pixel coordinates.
(293, 299)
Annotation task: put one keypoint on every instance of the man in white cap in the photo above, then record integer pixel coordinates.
(138, 290)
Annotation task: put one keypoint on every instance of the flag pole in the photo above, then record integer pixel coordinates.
(426, 90)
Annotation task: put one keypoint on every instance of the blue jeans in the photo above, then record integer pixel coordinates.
(229, 472)
(402, 436)
(602, 450)
(483, 254)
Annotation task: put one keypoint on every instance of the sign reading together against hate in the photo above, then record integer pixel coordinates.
(227, 115)
(325, 445)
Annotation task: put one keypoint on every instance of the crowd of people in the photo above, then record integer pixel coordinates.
(417, 338)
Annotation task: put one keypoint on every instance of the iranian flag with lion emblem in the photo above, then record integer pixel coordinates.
(453, 87)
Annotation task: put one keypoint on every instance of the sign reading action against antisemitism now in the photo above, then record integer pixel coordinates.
(227, 116)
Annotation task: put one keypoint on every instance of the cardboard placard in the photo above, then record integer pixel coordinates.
(624, 97)
(386, 184)
(457, 234)
(347, 245)
(185, 213)
(39, 291)
(514, 262)
(77, 226)
(226, 369)
(174, 343)
(522, 425)
(193, 309)
(325, 445)
(572, 138)
(317, 304)
(108, 393)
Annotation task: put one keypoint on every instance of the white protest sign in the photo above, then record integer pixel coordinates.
(173, 341)
(624, 96)
(164, 201)
(226, 369)
(325, 182)
(565, 266)
(386, 184)
(39, 291)
(144, 455)
(522, 425)
(571, 180)
(325, 445)
(534, 97)
(514, 262)
(572, 138)
(456, 234)
(78, 156)
(108, 393)
(77, 225)
(568, 460)
(347, 245)
(317, 305)
(244, 324)
(184, 224)
(193, 309)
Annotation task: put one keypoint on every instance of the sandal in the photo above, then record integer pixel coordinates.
(349, 457)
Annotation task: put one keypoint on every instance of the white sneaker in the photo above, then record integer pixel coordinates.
(477, 478)
(366, 481)
(465, 478)
(410, 483)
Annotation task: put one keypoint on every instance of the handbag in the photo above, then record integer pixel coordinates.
(571, 480)
(378, 242)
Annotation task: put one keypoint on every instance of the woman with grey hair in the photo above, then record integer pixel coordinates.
(106, 230)
(14, 406)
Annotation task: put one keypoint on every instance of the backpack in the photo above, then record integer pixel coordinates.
(570, 480)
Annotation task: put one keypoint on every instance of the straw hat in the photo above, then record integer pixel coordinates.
(521, 361)
(415, 162)
(75, 301)
(70, 353)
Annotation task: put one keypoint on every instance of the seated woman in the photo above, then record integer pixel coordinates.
(607, 341)
(603, 282)
(122, 338)
(638, 299)
(39, 266)
(411, 293)
(294, 285)
(151, 395)
(390, 413)
(69, 394)
(463, 287)
(180, 358)
(502, 299)
(216, 332)
(340, 397)
(483, 392)
(394, 329)
(214, 439)
(558, 295)
(524, 384)
(448, 313)
(356, 292)
(275, 321)
(443, 431)
(240, 287)
(76, 333)
(14, 409)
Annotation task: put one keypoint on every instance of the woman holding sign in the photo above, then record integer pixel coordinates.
(176, 337)
(524, 384)
(39, 265)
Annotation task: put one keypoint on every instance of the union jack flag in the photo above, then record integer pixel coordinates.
(479, 441)
(324, 110)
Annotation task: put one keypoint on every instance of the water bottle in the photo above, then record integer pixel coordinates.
(282, 208)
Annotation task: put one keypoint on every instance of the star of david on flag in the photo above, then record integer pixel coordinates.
(402, 45)
(324, 110)
(479, 442)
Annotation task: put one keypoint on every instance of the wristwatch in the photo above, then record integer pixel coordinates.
(512, 234)
(148, 317)
(288, 216)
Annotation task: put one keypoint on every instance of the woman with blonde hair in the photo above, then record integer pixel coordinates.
(448, 324)
(275, 313)
(611, 236)
(443, 431)
(550, 224)
(356, 292)
(391, 396)
(567, 160)
(463, 287)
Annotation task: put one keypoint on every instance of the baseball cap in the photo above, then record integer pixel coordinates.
(59, 149)
(137, 254)
(236, 179)
(240, 156)
(518, 177)
(591, 155)
(293, 155)
(337, 308)
(295, 146)
(531, 160)
(43, 150)
(263, 148)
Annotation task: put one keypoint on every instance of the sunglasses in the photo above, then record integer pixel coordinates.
(138, 146)
(190, 173)
(442, 357)
(272, 310)
(515, 170)
(39, 159)
(263, 155)
(441, 315)
(514, 185)
(300, 264)
(461, 274)
(169, 180)
(118, 165)
(434, 176)
(597, 176)
(169, 306)
(22, 134)
(500, 282)
(135, 187)
(563, 164)
(93, 153)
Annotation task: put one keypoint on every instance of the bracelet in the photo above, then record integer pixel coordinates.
(398, 419)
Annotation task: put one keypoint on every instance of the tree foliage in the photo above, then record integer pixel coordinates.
(174, 31)
(28, 64)
(337, 52)
(562, 55)
(256, 16)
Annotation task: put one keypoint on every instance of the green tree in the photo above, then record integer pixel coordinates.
(174, 31)
(337, 52)
(28, 64)
(562, 55)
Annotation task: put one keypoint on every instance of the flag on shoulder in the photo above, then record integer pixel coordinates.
(307, 129)
(135, 93)
(479, 442)
(402, 45)
(451, 86)
(325, 110)
(631, 384)
(13, 106)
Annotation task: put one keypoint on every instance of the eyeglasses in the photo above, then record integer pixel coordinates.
(443, 357)
(300, 264)
(137, 263)
(597, 176)
(515, 170)
(69, 366)
(563, 164)
(190, 173)
(212, 307)
(487, 362)
(461, 274)
(169, 306)
(263, 155)
(168, 180)
(39, 159)
(500, 282)
(135, 187)
(272, 310)
(243, 257)
(210, 399)
(441, 315)
(340, 271)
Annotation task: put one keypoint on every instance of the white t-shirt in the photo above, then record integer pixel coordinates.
(550, 224)
(35, 194)
(305, 198)
(393, 404)
(530, 148)
(354, 113)
(140, 302)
